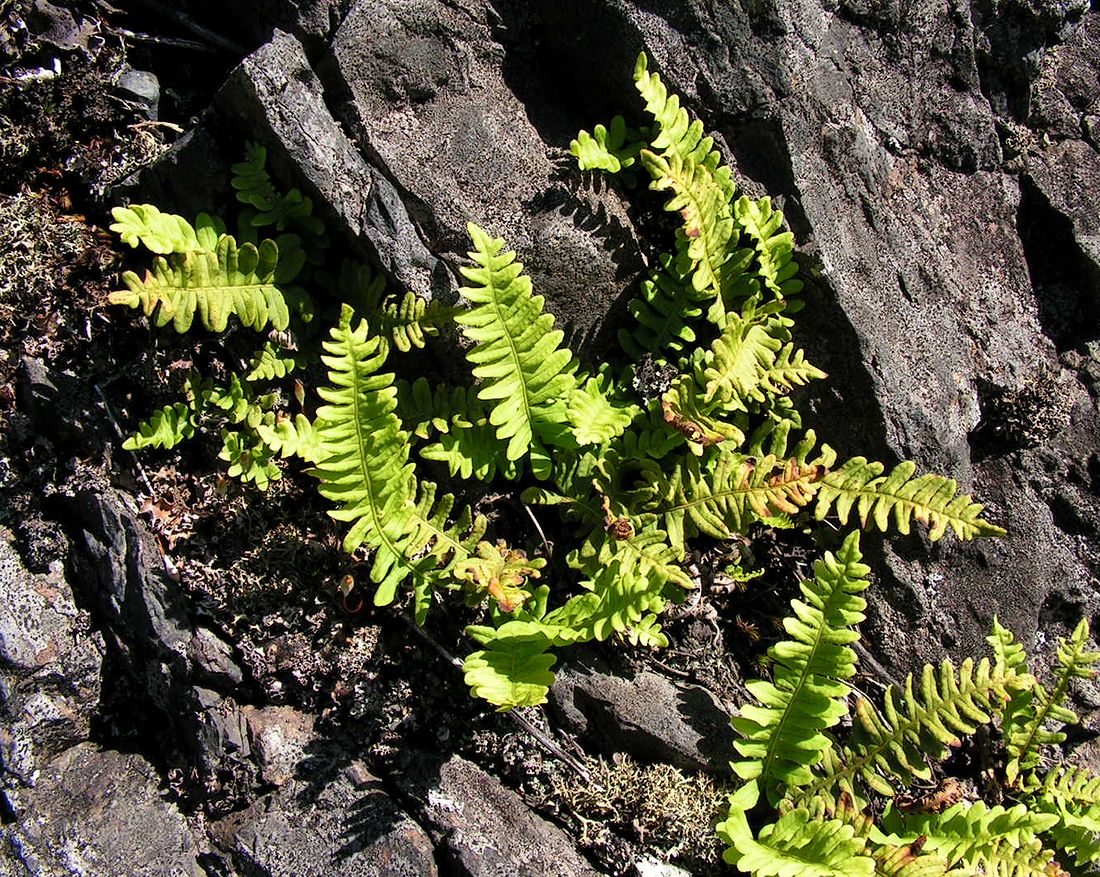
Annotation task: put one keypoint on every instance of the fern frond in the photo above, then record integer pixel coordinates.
(597, 413)
(164, 233)
(675, 133)
(270, 363)
(514, 668)
(425, 410)
(606, 149)
(905, 861)
(931, 499)
(516, 355)
(1072, 795)
(898, 744)
(366, 469)
(215, 284)
(501, 572)
(782, 734)
(165, 429)
(978, 838)
(797, 845)
(665, 311)
(1027, 723)
(292, 437)
(748, 364)
(406, 321)
(254, 187)
(727, 493)
(249, 459)
(687, 412)
(473, 451)
(774, 248)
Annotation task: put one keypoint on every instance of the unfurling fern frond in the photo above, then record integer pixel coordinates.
(606, 149)
(524, 371)
(227, 280)
(782, 734)
(931, 499)
(164, 233)
(1030, 714)
(365, 468)
(405, 321)
(165, 429)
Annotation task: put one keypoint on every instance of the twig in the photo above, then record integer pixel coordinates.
(525, 723)
(188, 23)
(545, 542)
(174, 42)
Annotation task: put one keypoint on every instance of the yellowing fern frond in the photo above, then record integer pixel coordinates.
(931, 499)
(215, 284)
(164, 233)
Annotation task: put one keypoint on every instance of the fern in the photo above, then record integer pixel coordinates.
(254, 187)
(216, 284)
(164, 233)
(291, 437)
(165, 429)
(1028, 716)
(473, 451)
(271, 363)
(249, 459)
(597, 413)
(425, 410)
(774, 248)
(516, 354)
(665, 311)
(782, 735)
(405, 321)
(607, 149)
(365, 468)
(931, 499)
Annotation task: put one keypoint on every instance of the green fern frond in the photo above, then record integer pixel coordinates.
(782, 734)
(597, 412)
(724, 495)
(425, 409)
(292, 437)
(1027, 722)
(165, 429)
(514, 668)
(165, 233)
(249, 459)
(897, 744)
(473, 451)
(797, 845)
(215, 284)
(665, 311)
(501, 572)
(406, 321)
(270, 363)
(1072, 795)
(366, 469)
(516, 355)
(675, 133)
(748, 364)
(774, 248)
(687, 411)
(606, 149)
(904, 861)
(931, 499)
(254, 187)
(979, 839)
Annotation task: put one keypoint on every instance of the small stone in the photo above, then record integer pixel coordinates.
(142, 89)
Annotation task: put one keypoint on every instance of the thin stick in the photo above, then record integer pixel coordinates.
(545, 542)
(174, 42)
(517, 717)
(188, 23)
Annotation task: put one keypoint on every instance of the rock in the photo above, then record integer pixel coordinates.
(49, 668)
(484, 829)
(212, 659)
(328, 822)
(141, 89)
(96, 813)
(280, 737)
(646, 716)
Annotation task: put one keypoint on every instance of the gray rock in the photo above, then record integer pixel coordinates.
(212, 659)
(648, 716)
(280, 737)
(99, 813)
(344, 827)
(142, 89)
(49, 668)
(484, 829)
